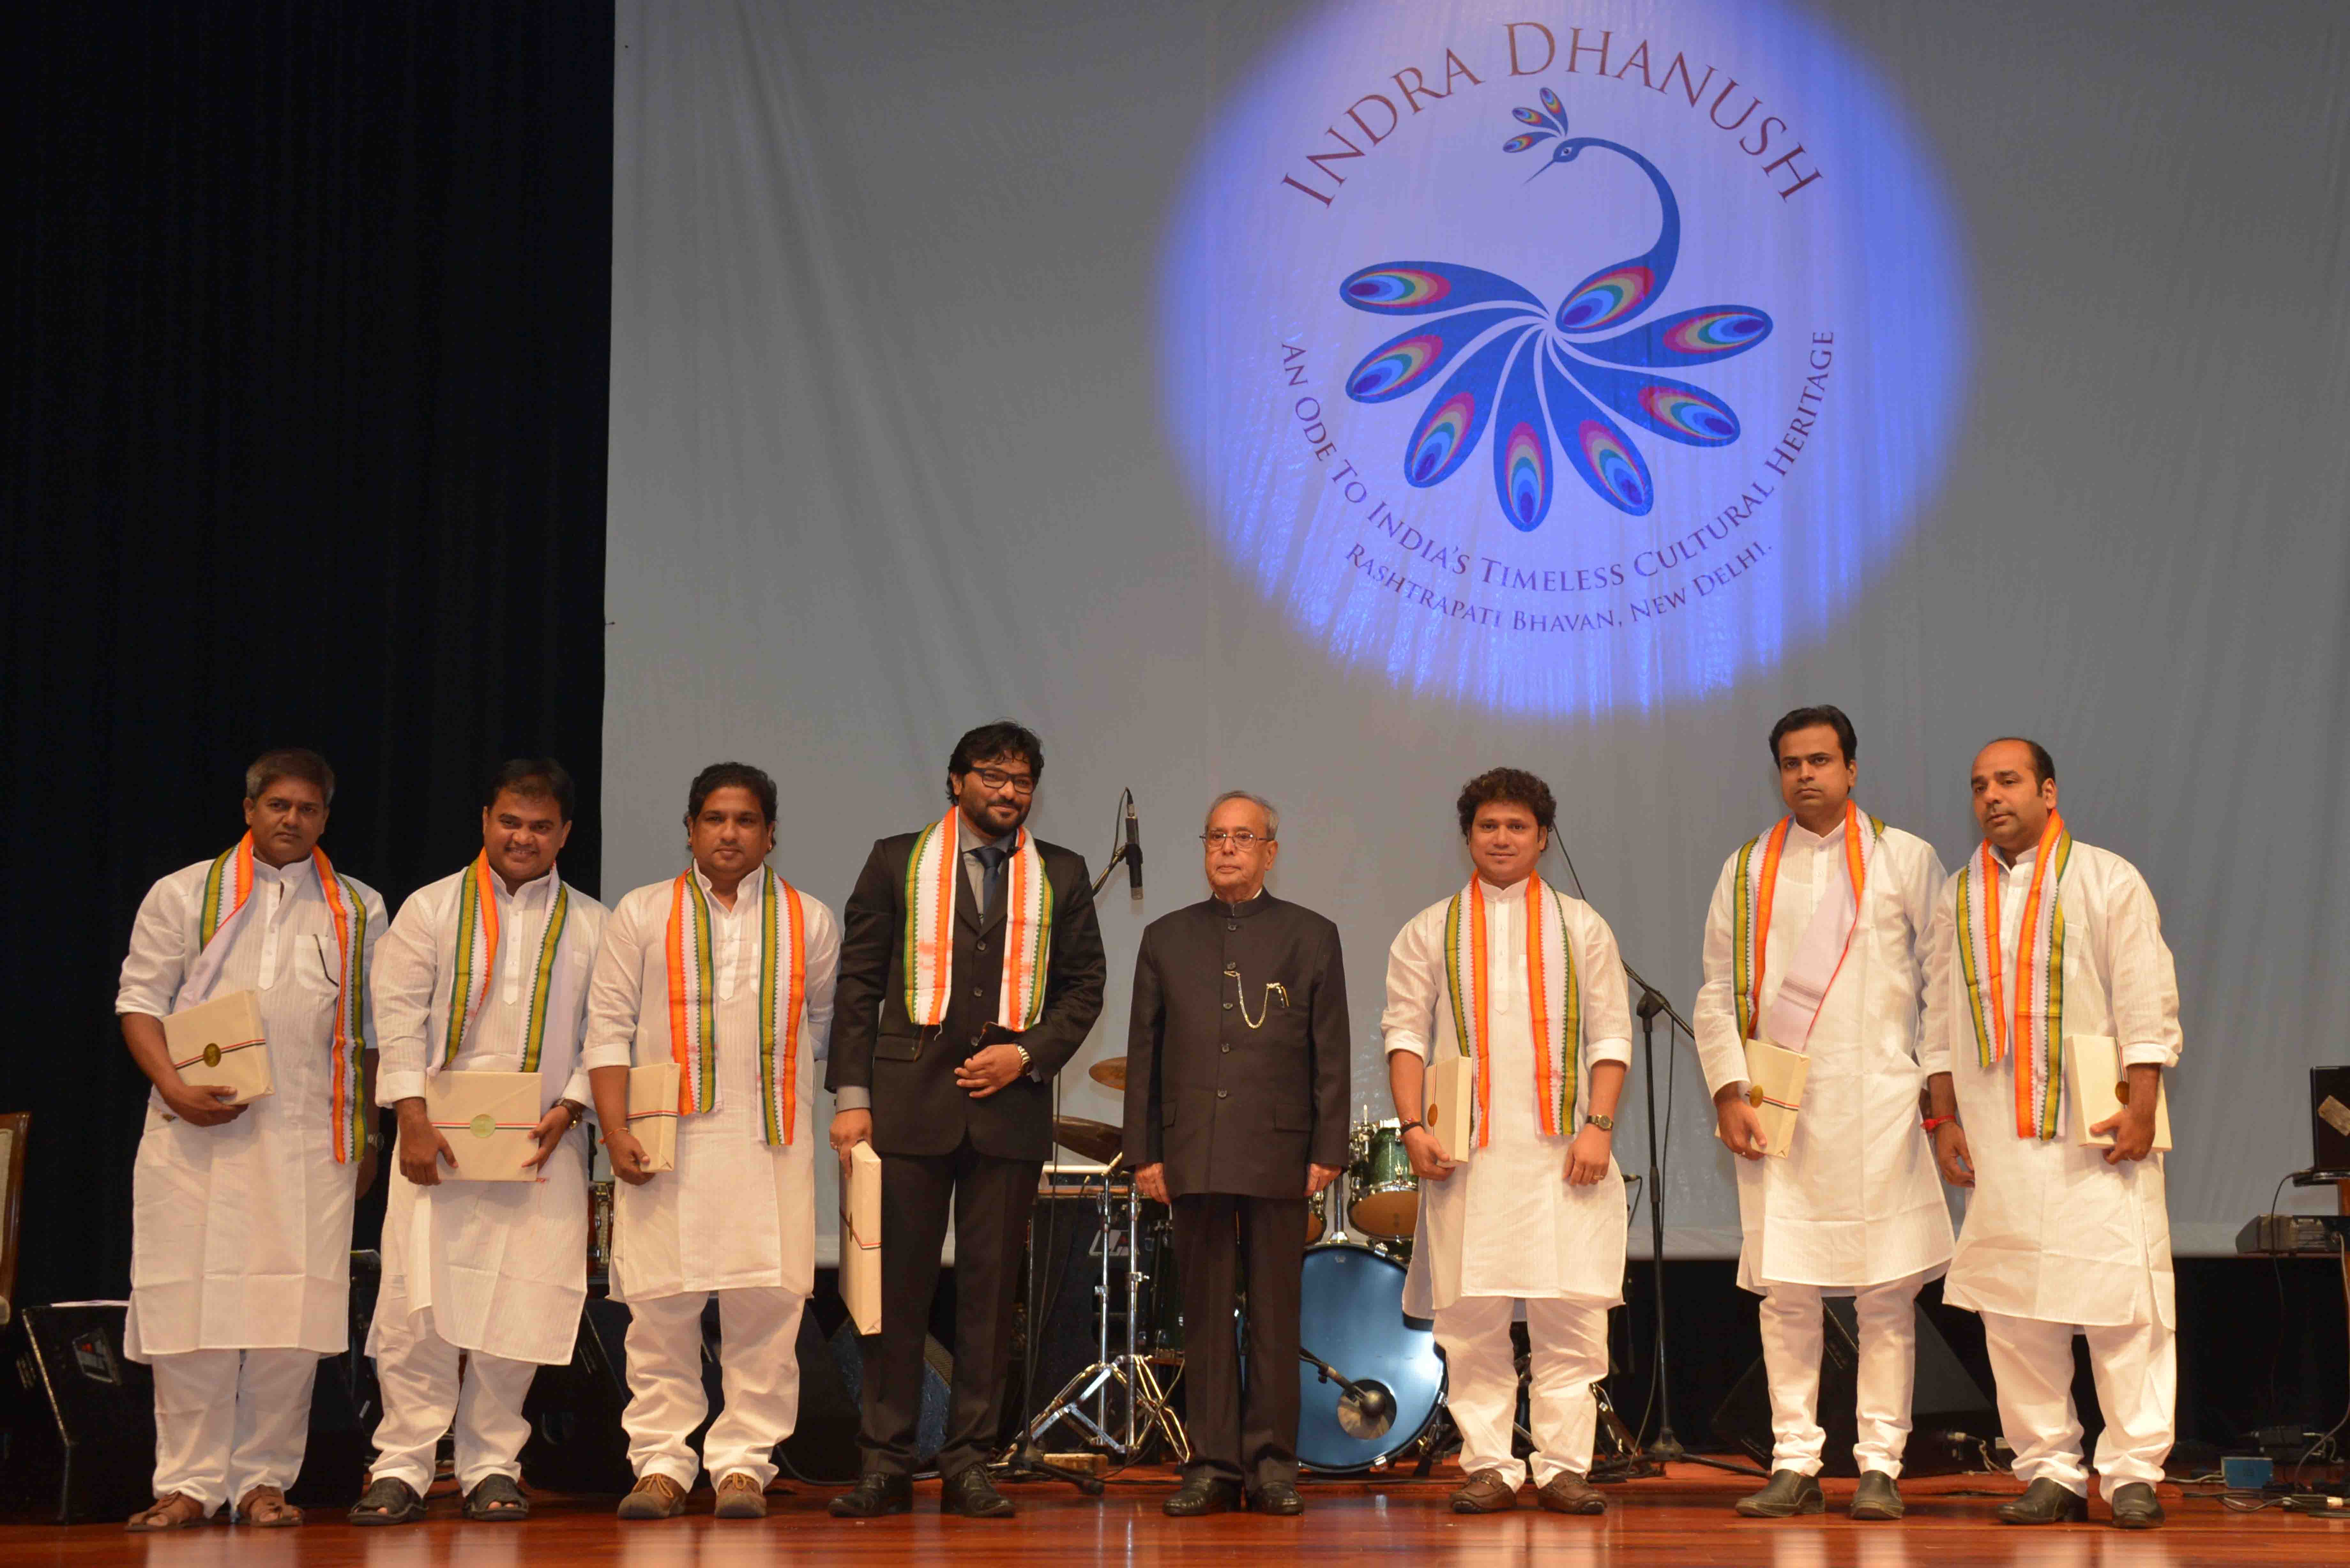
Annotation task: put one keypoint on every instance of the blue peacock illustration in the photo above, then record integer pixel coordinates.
(1531, 384)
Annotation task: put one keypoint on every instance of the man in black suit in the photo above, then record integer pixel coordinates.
(971, 969)
(1236, 1114)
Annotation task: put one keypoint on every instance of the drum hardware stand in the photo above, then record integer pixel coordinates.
(1147, 1407)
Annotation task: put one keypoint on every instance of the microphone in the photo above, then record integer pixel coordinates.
(1133, 851)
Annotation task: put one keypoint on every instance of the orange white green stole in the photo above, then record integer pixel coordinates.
(934, 881)
(2034, 1029)
(693, 1001)
(1818, 955)
(227, 895)
(1551, 993)
(473, 968)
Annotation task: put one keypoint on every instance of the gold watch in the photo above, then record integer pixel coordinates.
(1604, 1124)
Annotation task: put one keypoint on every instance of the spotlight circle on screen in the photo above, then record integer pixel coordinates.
(1562, 369)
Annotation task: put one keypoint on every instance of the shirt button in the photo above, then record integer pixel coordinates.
(974, 991)
(1228, 1007)
(1225, 1048)
(1223, 1093)
(981, 946)
(1231, 925)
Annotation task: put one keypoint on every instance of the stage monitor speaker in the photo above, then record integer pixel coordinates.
(345, 1404)
(77, 1416)
(1946, 1398)
(1065, 1237)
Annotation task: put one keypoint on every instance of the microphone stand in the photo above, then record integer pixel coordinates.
(1667, 1447)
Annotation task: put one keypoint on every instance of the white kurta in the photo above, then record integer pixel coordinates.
(1508, 1223)
(2053, 1231)
(734, 1214)
(241, 1233)
(499, 1267)
(1857, 1201)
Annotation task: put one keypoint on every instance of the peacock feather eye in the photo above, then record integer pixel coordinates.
(1520, 143)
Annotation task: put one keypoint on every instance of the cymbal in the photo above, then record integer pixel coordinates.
(1094, 1140)
(1109, 1072)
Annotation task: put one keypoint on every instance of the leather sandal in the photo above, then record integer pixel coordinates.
(172, 1510)
(494, 1499)
(265, 1508)
(388, 1500)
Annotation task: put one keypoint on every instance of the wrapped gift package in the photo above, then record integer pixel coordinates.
(486, 1119)
(2099, 1086)
(1451, 1085)
(219, 1043)
(860, 1238)
(653, 1113)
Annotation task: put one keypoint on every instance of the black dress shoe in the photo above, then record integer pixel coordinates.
(1877, 1498)
(2135, 1507)
(1276, 1497)
(874, 1495)
(1202, 1494)
(971, 1494)
(2045, 1502)
(1790, 1493)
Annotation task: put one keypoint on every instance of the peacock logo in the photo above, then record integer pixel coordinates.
(1549, 384)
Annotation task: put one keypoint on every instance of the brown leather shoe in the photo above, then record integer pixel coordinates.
(265, 1508)
(172, 1510)
(1568, 1492)
(655, 1495)
(1487, 1492)
(740, 1496)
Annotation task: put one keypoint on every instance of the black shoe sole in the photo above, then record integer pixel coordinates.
(894, 1505)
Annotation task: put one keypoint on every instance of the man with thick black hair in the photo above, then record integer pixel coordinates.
(971, 969)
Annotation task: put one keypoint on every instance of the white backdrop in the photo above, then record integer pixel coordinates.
(907, 434)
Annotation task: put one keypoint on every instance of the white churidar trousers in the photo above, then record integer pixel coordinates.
(1886, 1374)
(2135, 1366)
(229, 1421)
(1568, 1338)
(418, 1371)
(758, 1354)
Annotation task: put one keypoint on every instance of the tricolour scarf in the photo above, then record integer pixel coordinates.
(473, 966)
(1551, 993)
(2034, 1029)
(1818, 955)
(227, 895)
(934, 881)
(693, 1001)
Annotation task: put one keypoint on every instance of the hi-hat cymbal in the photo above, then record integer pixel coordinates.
(1094, 1140)
(1109, 1072)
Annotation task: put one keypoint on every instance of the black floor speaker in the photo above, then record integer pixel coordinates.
(1945, 1400)
(77, 1416)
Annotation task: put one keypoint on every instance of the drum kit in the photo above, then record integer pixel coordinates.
(1371, 1381)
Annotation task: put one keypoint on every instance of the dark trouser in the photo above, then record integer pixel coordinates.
(1225, 1244)
(990, 1198)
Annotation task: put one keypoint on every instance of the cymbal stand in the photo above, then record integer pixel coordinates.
(1147, 1409)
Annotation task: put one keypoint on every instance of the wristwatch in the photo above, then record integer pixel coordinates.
(1604, 1124)
(1026, 1061)
(578, 1112)
(1407, 1127)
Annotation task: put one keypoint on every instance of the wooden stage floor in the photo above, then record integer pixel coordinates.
(1682, 1518)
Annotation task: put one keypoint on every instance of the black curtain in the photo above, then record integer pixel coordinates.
(307, 334)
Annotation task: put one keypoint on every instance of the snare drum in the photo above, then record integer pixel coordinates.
(1382, 1193)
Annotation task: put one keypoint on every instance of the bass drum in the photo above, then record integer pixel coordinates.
(1352, 1317)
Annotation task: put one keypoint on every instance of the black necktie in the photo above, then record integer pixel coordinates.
(991, 874)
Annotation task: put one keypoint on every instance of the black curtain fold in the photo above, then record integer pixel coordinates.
(308, 332)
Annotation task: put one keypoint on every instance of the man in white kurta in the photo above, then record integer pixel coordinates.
(2059, 1237)
(1528, 1216)
(1851, 1206)
(736, 1218)
(493, 1271)
(240, 1267)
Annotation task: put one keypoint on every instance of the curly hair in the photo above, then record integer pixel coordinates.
(1514, 785)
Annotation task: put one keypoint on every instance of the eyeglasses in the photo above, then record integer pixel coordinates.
(1239, 838)
(995, 778)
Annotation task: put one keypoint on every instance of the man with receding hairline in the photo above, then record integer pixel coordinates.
(240, 1264)
(2039, 941)
(486, 971)
(1235, 1115)
(726, 972)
